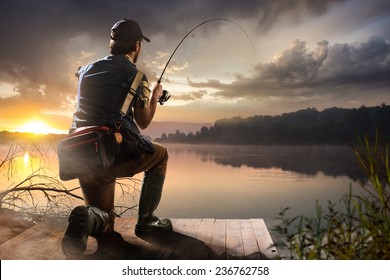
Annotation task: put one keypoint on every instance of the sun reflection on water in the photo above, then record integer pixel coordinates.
(26, 158)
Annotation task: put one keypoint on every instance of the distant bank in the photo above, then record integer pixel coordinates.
(155, 130)
(307, 126)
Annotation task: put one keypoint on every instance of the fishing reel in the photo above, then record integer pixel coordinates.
(164, 97)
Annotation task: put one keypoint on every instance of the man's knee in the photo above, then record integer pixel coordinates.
(165, 155)
(162, 151)
(160, 159)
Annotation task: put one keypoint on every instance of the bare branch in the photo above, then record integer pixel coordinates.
(26, 195)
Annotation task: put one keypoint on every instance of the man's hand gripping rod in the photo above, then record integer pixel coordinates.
(165, 95)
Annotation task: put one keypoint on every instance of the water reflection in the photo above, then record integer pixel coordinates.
(230, 181)
(254, 182)
(26, 158)
(332, 161)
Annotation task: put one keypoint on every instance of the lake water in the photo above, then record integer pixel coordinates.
(254, 182)
(238, 181)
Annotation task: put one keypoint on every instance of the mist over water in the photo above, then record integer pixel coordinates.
(255, 181)
(222, 181)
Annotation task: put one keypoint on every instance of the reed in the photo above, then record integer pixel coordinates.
(360, 230)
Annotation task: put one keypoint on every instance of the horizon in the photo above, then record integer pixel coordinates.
(306, 54)
(156, 129)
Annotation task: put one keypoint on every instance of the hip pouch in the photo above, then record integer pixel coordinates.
(87, 151)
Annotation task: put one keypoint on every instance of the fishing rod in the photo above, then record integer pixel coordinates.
(165, 96)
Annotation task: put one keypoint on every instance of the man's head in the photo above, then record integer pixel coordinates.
(126, 37)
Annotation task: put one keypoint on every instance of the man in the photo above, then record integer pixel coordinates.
(103, 86)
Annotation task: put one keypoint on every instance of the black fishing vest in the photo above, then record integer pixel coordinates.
(103, 87)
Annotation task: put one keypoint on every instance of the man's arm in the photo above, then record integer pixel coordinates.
(144, 116)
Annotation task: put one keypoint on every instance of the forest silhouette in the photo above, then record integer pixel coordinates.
(337, 126)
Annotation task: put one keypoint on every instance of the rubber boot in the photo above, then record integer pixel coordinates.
(84, 221)
(150, 197)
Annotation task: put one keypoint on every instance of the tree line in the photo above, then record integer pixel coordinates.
(7, 137)
(308, 126)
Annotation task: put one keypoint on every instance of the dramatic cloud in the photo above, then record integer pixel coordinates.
(328, 69)
(43, 42)
(37, 34)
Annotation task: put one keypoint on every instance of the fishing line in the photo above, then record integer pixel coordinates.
(193, 29)
(193, 36)
(166, 95)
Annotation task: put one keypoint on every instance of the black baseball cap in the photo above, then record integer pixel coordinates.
(127, 29)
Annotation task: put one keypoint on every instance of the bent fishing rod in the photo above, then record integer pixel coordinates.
(165, 96)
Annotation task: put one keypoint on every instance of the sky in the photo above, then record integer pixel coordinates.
(293, 55)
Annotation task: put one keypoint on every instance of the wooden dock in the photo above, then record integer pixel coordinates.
(198, 239)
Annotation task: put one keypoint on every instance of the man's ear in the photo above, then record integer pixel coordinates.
(137, 46)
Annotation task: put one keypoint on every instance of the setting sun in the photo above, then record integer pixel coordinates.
(37, 127)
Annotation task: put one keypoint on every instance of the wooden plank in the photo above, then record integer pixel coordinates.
(166, 243)
(234, 245)
(20, 246)
(201, 249)
(8, 247)
(54, 239)
(251, 249)
(264, 239)
(120, 245)
(113, 246)
(169, 241)
(49, 248)
(131, 245)
(127, 245)
(24, 245)
(190, 239)
(152, 247)
(218, 240)
(185, 233)
(175, 244)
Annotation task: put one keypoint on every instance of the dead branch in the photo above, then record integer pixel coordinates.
(25, 194)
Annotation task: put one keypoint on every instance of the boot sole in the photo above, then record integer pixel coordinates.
(73, 242)
(150, 230)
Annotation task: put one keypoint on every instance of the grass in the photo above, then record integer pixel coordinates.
(360, 230)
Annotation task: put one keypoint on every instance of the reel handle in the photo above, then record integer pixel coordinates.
(164, 97)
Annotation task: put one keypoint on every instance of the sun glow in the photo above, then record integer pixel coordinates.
(26, 158)
(37, 127)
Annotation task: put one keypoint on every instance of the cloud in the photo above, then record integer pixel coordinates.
(37, 34)
(294, 67)
(266, 13)
(367, 63)
(271, 12)
(195, 95)
(333, 70)
(44, 41)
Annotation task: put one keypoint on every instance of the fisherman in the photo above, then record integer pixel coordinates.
(103, 85)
